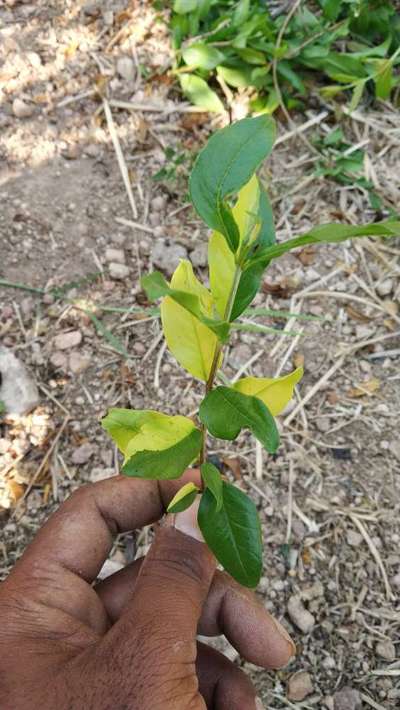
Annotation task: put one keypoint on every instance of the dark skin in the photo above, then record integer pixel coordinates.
(128, 643)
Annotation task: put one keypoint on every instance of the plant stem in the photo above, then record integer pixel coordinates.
(218, 352)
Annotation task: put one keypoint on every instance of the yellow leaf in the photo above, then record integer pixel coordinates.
(187, 489)
(221, 263)
(246, 208)
(145, 430)
(191, 342)
(275, 393)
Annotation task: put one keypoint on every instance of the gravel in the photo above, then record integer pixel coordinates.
(65, 341)
(166, 257)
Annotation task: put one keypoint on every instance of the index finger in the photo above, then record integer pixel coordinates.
(79, 536)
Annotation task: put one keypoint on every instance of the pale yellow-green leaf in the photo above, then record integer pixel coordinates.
(221, 263)
(191, 342)
(184, 279)
(159, 431)
(275, 392)
(145, 430)
(246, 208)
(182, 493)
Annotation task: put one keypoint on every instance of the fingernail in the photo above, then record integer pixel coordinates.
(186, 522)
(259, 704)
(282, 632)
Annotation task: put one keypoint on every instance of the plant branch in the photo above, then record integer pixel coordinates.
(218, 352)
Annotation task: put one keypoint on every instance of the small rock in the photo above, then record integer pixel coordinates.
(64, 341)
(139, 348)
(22, 109)
(300, 616)
(322, 424)
(364, 331)
(93, 150)
(198, 256)
(34, 59)
(396, 581)
(354, 538)
(126, 68)
(119, 239)
(347, 699)
(27, 306)
(394, 449)
(59, 361)
(314, 591)
(83, 453)
(158, 203)
(108, 17)
(329, 663)
(240, 355)
(299, 686)
(119, 272)
(386, 649)
(101, 473)
(18, 391)
(115, 255)
(166, 257)
(385, 287)
(78, 363)
(71, 152)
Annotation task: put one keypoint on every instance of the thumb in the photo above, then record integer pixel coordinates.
(160, 621)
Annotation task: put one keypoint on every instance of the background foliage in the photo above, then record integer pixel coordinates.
(332, 46)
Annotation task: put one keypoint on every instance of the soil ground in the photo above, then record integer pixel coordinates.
(329, 500)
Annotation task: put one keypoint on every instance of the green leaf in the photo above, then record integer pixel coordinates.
(156, 286)
(249, 285)
(333, 233)
(155, 445)
(200, 94)
(183, 499)
(331, 9)
(213, 481)
(183, 7)
(252, 56)
(202, 56)
(239, 77)
(241, 12)
(225, 412)
(383, 80)
(226, 164)
(233, 533)
(168, 463)
(285, 70)
(357, 94)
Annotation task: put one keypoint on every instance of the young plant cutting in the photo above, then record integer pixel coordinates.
(197, 321)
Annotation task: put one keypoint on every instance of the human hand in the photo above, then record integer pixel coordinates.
(130, 642)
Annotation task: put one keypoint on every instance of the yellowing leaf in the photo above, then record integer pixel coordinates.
(184, 279)
(191, 342)
(274, 392)
(221, 263)
(246, 208)
(144, 429)
(155, 445)
(183, 498)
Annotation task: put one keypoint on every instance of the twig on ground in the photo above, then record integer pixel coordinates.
(123, 170)
(375, 553)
